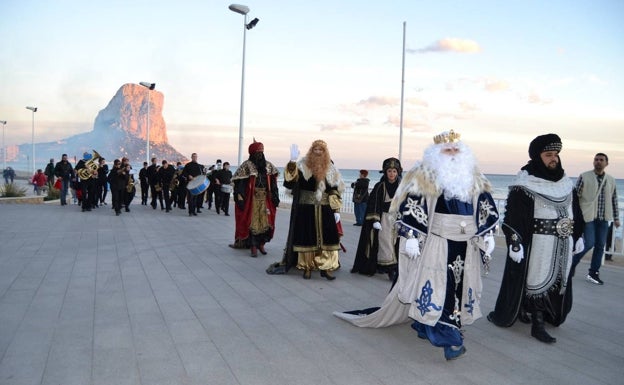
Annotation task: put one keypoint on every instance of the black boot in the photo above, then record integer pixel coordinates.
(523, 316)
(537, 329)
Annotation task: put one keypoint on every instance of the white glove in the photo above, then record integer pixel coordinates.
(337, 217)
(412, 247)
(294, 152)
(516, 256)
(377, 226)
(579, 246)
(489, 243)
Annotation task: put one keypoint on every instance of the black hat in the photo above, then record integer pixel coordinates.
(392, 163)
(543, 143)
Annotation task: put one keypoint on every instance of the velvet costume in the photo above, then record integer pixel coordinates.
(246, 181)
(314, 225)
(556, 301)
(441, 288)
(366, 258)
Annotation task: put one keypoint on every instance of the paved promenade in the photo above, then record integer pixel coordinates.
(153, 298)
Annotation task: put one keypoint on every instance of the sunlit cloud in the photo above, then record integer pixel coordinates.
(336, 126)
(534, 98)
(450, 116)
(468, 107)
(450, 45)
(417, 102)
(594, 79)
(413, 124)
(495, 85)
(377, 101)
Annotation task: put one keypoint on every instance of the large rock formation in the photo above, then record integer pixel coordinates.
(128, 110)
(119, 130)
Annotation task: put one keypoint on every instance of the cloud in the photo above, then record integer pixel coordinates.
(450, 45)
(377, 101)
(594, 79)
(534, 98)
(450, 115)
(417, 102)
(414, 125)
(336, 127)
(468, 107)
(495, 85)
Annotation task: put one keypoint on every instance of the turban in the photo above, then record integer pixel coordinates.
(256, 147)
(543, 143)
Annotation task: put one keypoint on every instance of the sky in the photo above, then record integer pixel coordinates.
(498, 72)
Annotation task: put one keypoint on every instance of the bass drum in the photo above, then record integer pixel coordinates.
(198, 185)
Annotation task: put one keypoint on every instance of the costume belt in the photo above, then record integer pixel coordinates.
(307, 197)
(560, 227)
(459, 228)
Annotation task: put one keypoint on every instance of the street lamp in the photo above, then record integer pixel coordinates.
(150, 87)
(243, 10)
(402, 98)
(3, 122)
(33, 109)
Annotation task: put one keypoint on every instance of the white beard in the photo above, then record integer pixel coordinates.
(455, 174)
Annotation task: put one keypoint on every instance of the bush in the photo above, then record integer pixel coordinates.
(53, 194)
(12, 190)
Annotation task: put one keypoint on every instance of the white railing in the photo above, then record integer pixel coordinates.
(617, 241)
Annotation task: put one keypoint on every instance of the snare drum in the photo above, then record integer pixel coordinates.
(198, 185)
(226, 188)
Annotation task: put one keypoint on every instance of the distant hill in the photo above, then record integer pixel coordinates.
(119, 130)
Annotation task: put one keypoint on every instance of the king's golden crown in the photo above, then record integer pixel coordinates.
(447, 137)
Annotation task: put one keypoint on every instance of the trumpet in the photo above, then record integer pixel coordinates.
(91, 167)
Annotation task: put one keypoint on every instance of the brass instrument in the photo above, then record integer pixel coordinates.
(91, 167)
(174, 183)
(130, 185)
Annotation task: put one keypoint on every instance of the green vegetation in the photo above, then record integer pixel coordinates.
(12, 190)
(53, 194)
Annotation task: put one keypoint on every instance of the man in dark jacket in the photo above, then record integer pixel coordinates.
(360, 197)
(64, 171)
(49, 173)
(191, 171)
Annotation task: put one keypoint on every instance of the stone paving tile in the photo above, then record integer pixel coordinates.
(148, 298)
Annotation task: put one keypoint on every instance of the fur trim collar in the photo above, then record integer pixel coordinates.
(333, 178)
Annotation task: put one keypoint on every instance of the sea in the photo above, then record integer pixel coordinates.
(500, 182)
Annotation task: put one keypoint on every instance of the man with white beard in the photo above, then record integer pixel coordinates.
(445, 219)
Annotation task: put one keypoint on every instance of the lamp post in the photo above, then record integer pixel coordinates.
(150, 87)
(243, 10)
(3, 147)
(33, 109)
(402, 97)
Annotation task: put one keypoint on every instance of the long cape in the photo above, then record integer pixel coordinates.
(518, 220)
(368, 246)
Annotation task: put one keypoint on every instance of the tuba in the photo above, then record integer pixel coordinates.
(91, 167)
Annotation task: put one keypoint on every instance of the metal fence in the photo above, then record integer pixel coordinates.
(616, 247)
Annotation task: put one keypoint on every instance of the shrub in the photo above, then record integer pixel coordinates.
(53, 194)
(12, 190)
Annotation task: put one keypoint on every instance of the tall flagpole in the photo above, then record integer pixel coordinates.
(402, 93)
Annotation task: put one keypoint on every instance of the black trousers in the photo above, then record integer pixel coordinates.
(88, 193)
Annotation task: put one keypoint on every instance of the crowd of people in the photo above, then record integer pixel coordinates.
(430, 229)
(90, 180)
